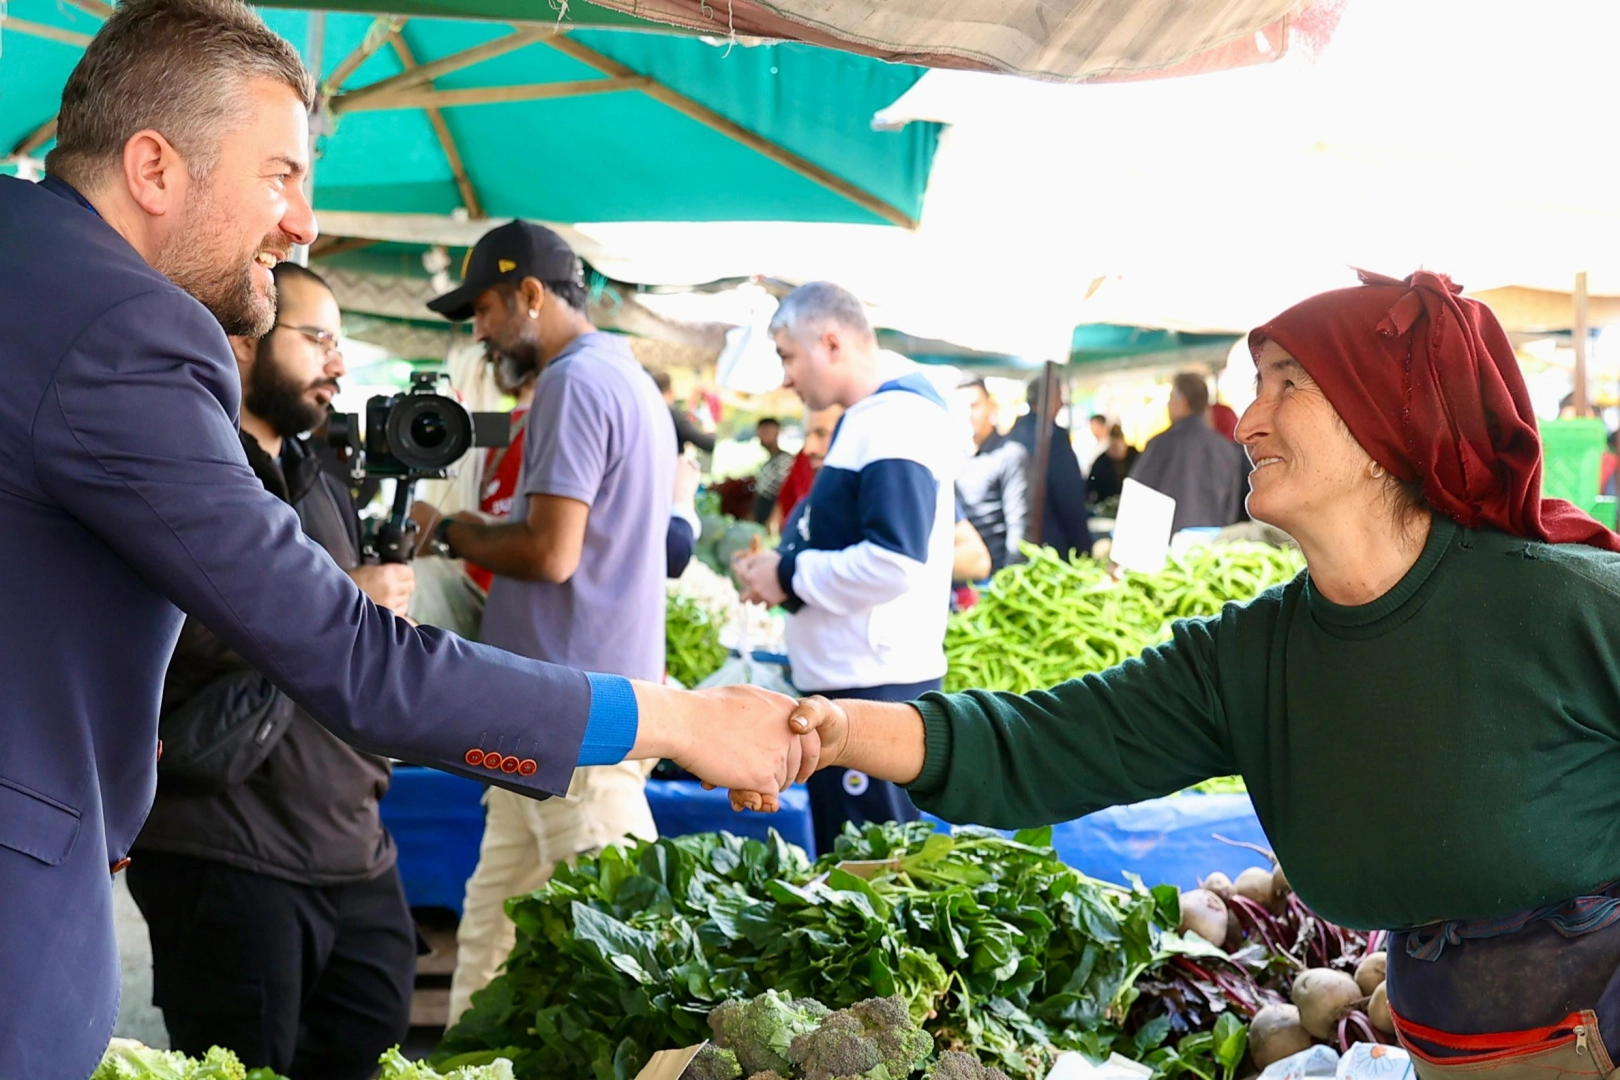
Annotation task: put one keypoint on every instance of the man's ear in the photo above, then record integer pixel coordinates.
(154, 173)
(531, 295)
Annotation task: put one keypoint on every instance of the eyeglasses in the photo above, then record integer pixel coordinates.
(324, 338)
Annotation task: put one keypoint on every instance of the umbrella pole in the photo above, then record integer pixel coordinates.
(1583, 407)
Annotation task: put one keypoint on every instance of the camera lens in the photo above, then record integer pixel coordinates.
(428, 432)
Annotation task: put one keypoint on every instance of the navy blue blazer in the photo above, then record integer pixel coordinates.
(125, 499)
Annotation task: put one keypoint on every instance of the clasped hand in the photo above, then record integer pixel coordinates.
(758, 743)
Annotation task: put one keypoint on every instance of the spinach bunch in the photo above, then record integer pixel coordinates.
(997, 947)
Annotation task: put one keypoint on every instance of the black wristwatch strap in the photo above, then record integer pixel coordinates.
(441, 534)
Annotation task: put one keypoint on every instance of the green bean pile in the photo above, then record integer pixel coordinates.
(1050, 619)
(692, 649)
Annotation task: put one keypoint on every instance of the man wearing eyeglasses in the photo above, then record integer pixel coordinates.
(278, 923)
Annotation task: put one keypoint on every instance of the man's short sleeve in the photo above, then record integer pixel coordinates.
(567, 451)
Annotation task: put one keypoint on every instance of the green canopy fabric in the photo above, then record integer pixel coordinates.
(1097, 347)
(607, 121)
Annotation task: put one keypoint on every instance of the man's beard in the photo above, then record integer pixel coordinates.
(276, 400)
(514, 369)
(222, 282)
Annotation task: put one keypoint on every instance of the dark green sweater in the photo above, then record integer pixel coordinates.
(1449, 751)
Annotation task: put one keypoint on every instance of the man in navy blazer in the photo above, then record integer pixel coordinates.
(125, 499)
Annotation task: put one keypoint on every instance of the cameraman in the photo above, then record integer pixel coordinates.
(279, 926)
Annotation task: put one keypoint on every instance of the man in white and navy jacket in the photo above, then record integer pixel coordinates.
(864, 567)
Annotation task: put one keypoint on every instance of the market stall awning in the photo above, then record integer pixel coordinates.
(1097, 348)
(560, 121)
(1069, 41)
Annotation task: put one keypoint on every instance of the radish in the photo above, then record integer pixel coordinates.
(1279, 883)
(1275, 1033)
(1234, 932)
(1371, 971)
(1378, 1010)
(1323, 996)
(1219, 884)
(1257, 885)
(1204, 914)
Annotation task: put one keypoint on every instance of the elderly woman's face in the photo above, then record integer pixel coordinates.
(1307, 469)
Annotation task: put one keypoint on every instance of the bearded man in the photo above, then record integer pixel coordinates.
(176, 185)
(291, 861)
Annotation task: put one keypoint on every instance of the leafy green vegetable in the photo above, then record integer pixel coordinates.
(129, 1060)
(396, 1066)
(691, 641)
(1051, 619)
(994, 944)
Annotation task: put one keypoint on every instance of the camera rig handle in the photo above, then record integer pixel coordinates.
(396, 537)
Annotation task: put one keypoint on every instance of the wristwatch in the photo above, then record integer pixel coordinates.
(441, 537)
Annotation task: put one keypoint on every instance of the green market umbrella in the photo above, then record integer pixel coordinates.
(590, 117)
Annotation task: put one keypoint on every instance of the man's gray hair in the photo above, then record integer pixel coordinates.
(819, 303)
(178, 67)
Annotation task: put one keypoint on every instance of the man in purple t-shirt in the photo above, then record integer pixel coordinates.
(579, 564)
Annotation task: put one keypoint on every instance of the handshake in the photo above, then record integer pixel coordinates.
(758, 743)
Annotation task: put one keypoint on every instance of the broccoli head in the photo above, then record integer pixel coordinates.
(872, 1040)
(713, 1063)
(768, 1074)
(761, 1031)
(955, 1065)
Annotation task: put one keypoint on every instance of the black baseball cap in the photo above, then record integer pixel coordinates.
(511, 252)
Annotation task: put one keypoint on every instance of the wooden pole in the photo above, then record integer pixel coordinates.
(49, 33)
(35, 139)
(384, 29)
(1583, 407)
(435, 100)
(735, 131)
(426, 73)
(447, 142)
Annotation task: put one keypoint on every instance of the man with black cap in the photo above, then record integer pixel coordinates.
(579, 564)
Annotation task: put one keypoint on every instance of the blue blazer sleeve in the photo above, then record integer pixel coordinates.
(136, 438)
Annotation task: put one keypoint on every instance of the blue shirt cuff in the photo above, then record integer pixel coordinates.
(610, 730)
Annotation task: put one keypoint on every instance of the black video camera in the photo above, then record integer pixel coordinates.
(411, 436)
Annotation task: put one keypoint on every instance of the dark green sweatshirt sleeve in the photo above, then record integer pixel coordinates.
(1148, 727)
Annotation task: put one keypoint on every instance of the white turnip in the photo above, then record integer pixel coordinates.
(1256, 884)
(1323, 996)
(1219, 884)
(1275, 1033)
(1371, 971)
(1203, 913)
(1378, 1010)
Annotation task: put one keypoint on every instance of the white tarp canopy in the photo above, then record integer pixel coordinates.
(1068, 40)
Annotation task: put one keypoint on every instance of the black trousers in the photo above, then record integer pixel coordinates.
(838, 795)
(311, 981)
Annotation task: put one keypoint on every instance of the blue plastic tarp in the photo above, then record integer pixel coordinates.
(1165, 841)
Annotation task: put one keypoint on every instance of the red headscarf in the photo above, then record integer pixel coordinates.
(1427, 382)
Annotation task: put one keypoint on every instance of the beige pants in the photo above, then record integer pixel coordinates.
(524, 840)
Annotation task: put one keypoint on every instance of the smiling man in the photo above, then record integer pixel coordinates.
(126, 499)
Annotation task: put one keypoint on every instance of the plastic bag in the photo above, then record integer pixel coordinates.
(745, 669)
(1318, 1061)
(1371, 1061)
(446, 597)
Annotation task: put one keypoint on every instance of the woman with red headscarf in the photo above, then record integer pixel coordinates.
(1428, 718)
